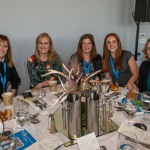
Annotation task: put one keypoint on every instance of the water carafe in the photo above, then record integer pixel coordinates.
(74, 116)
(92, 111)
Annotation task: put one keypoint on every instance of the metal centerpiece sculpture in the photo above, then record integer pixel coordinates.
(82, 96)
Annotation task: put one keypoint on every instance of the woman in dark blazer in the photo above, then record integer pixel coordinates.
(8, 71)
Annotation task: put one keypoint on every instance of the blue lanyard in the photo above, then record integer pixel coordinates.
(115, 71)
(86, 66)
(3, 80)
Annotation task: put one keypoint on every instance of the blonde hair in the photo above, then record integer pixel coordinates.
(8, 56)
(145, 49)
(52, 55)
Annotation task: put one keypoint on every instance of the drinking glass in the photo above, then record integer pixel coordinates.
(145, 98)
(21, 111)
(127, 141)
(129, 110)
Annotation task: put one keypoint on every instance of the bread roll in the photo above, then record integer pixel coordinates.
(114, 87)
(2, 116)
(8, 114)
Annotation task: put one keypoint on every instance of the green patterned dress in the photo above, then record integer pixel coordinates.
(37, 69)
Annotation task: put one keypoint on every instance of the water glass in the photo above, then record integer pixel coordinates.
(21, 112)
(127, 141)
(129, 110)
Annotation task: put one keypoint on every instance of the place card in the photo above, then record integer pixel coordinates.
(142, 136)
(88, 142)
(53, 141)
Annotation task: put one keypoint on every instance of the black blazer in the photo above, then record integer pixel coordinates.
(11, 76)
(143, 75)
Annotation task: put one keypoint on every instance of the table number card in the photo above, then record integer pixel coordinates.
(88, 142)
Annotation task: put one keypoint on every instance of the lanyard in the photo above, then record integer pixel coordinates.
(86, 66)
(115, 71)
(3, 79)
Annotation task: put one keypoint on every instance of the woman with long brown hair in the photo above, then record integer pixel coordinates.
(8, 71)
(118, 62)
(86, 57)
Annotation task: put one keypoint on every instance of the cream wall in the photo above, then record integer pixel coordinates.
(65, 20)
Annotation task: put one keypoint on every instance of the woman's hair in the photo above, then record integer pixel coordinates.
(79, 49)
(145, 49)
(106, 53)
(52, 55)
(8, 56)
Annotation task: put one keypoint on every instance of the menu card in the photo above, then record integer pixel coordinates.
(51, 142)
(142, 136)
(88, 142)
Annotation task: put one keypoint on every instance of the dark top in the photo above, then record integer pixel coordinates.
(143, 76)
(124, 73)
(11, 76)
(96, 63)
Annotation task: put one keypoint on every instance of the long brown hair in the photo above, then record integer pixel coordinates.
(145, 49)
(52, 55)
(8, 56)
(106, 53)
(79, 49)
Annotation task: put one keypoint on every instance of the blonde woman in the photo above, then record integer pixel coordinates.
(8, 71)
(144, 71)
(45, 58)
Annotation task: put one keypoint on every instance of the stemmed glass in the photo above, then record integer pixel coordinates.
(127, 141)
(145, 98)
(129, 110)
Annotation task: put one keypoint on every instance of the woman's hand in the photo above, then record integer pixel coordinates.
(38, 86)
(132, 87)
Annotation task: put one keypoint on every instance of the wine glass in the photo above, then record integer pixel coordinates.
(129, 110)
(145, 98)
(127, 141)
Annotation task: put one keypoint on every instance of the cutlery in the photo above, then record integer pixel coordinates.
(42, 102)
(38, 104)
(103, 147)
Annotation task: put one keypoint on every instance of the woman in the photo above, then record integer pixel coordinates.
(45, 58)
(118, 62)
(86, 57)
(8, 71)
(144, 71)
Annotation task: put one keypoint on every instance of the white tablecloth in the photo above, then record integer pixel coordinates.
(40, 131)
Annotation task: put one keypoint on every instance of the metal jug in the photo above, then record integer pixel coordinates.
(74, 116)
(92, 112)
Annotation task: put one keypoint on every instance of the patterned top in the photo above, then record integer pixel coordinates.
(36, 69)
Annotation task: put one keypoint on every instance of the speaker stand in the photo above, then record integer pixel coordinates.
(137, 40)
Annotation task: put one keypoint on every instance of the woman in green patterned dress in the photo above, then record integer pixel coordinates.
(45, 58)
